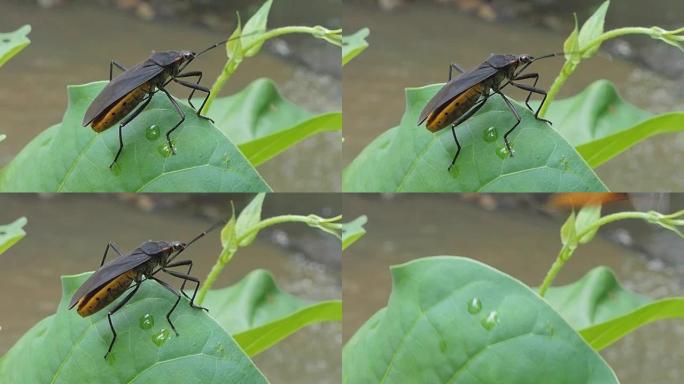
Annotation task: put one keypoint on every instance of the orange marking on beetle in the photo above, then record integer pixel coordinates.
(122, 107)
(449, 112)
(100, 298)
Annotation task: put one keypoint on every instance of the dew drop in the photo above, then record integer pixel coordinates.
(490, 321)
(474, 306)
(160, 338)
(490, 134)
(220, 350)
(152, 132)
(165, 150)
(147, 321)
(502, 152)
(116, 169)
(454, 171)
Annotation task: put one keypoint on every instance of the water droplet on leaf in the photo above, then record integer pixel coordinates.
(564, 163)
(147, 321)
(502, 152)
(165, 150)
(490, 321)
(490, 134)
(220, 350)
(474, 305)
(152, 132)
(160, 338)
(116, 169)
(454, 171)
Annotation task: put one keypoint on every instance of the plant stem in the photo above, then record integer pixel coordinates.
(230, 66)
(327, 225)
(576, 57)
(568, 249)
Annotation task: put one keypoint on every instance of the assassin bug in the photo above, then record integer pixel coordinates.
(461, 97)
(128, 271)
(138, 84)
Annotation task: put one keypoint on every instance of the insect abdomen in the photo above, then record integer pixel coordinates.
(120, 108)
(96, 300)
(452, 110)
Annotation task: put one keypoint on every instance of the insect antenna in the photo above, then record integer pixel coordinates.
(229, 40)
(201, 235)
(552, 55)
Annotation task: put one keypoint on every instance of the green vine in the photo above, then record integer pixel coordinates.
(573, 236)
(242, 231)
(584, 43)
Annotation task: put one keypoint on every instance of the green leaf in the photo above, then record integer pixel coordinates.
(259, 151)
(604, 311)
(234, 48)
(257, 340)
(569, 232)
(605, 334)
(257, 111)
(455, 320)
(600, 151)
(253, 28)
(592, 29)
(595, 298)
(66, 348)
(11, 233)
(264, 124)
(13, 42)
(596, 112)
(249, 217)
(259, 315)
(353, 231)
(410, 158)
(229, 236)
(571, 44)
(586, 217)
(70, 157)
(601, 125)
(354, 44)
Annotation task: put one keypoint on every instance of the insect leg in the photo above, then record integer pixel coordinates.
(455, 66)
(126, 121)
(180, 264)
(182, 115)
(178, 297)
(534, 76)
(114, 247)
(194, 280)
(109, 316)
(197, 87)
(517, 117)
(460, 120)
(458, 146)
(537, 91)
(113, 64)
(191, 74)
